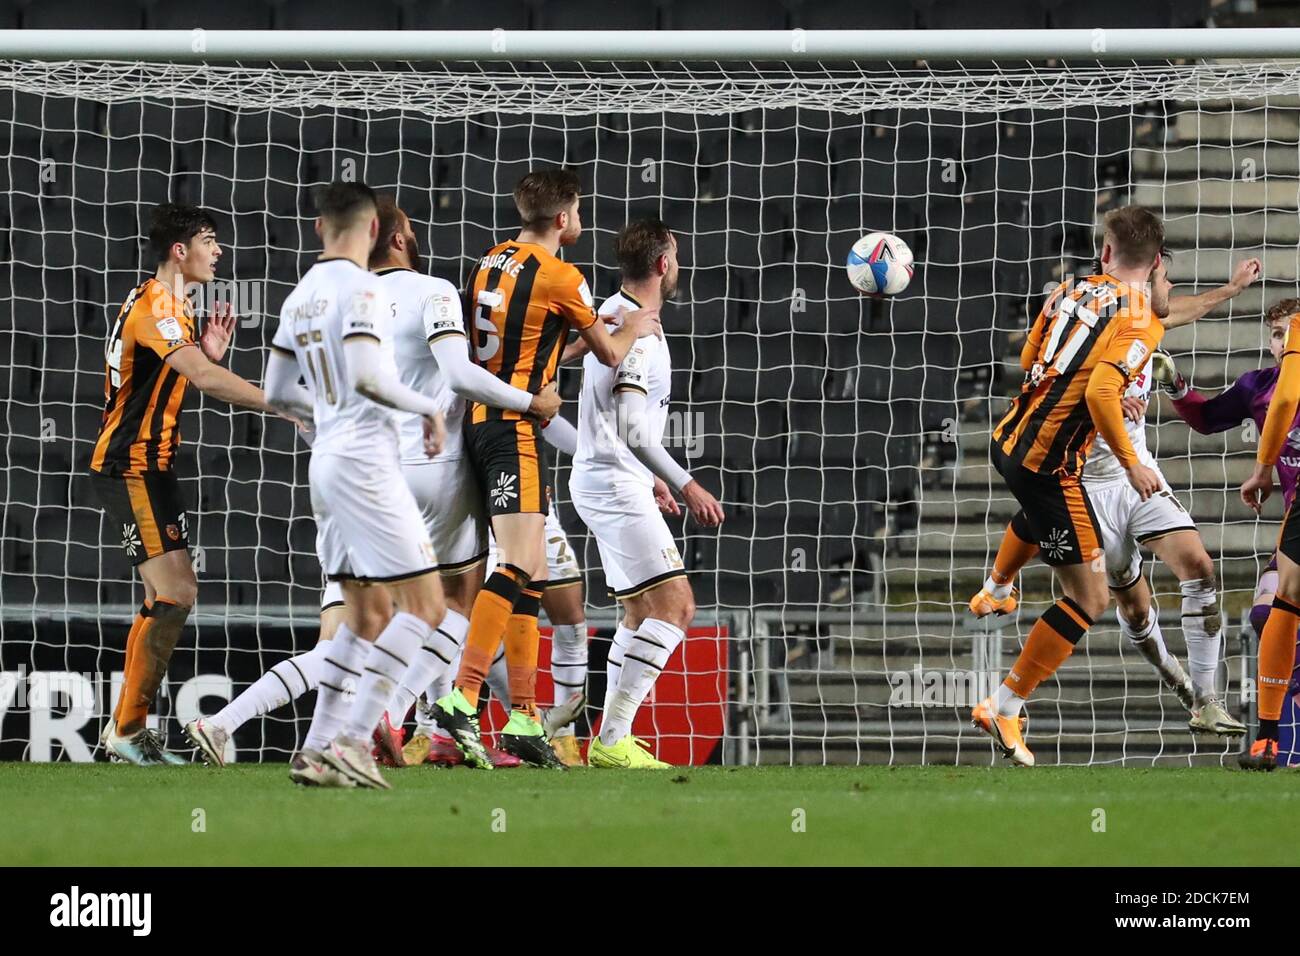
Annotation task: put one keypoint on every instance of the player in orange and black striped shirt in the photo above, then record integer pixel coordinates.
(523, 300)
(1088, 343)
(151, 357)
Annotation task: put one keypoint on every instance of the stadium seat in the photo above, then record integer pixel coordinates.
(58, 14)
(726, 15)
(466, 15)
(596, 15)
(851, 15)
(235, 15)
(312, 15)
(1008, 15)
(1073, 16)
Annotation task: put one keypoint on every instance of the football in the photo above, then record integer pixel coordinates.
(880, 264)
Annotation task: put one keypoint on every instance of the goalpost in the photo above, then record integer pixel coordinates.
(848, 436)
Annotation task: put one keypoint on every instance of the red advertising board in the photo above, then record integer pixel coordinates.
(684, 718)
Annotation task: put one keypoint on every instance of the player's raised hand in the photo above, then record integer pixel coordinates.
(546, 403)
(1145, 481)
(643, 322)
(435, 434)
(1134, 408)
(217, 331)
(1247, 271)
(703, 506)
(1256, 489)
(664, 498)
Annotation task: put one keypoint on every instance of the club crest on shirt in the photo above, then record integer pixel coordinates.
(173, 532)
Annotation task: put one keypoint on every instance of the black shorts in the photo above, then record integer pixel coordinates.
(146, 510)
(510, 462)
(1288, 540)
(1057, 512)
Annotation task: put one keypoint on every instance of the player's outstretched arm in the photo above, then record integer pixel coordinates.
(479, 385)
(561, 435)
(213, 380)
(611, 349)
(1226, 410)
(1185, 309)
(635, 430)
(1277, 424)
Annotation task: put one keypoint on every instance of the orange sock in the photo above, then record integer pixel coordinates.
(487, 625)
(1277, 657)
(145, 670)
(1050, 642)
(522, 640)
(132, 641)
(1015, 551)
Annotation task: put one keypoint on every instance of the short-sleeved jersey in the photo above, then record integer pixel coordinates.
(335, 301)
(603, 458)
(1082, 325)
(140, 430)
(523, 301)
(1102, 465)
(424, 310)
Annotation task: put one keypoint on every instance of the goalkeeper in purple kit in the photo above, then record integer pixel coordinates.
(1247, 398)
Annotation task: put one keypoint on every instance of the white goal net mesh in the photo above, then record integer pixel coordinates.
(847, 437)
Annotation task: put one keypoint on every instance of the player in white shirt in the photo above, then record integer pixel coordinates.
(432, 357)
(334, 333)
(614, 485)
(1159, 523)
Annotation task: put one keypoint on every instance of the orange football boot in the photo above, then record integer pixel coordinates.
(1007, 732)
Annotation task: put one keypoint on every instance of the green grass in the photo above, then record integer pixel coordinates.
(99, 814)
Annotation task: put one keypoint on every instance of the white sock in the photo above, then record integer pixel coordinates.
(1150, 643)
(429, 662)
(614, 663)
(1007, 701)
(1000, 592)
(568, 664)
(1203, 631)
(498, 679)
(389, 657)
(339, 675)
(286, 681)
(646, 656)
(456, 625)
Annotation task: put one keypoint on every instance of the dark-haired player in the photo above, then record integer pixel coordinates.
(152, 355)
(522, 300)
(335, 332)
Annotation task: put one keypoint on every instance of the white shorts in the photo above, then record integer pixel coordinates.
(331, 595)
(368, 527)
(561, 562)
(637, 550)
(1127, 521)
(449, 498)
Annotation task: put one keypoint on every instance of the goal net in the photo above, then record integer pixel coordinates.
(847, 437)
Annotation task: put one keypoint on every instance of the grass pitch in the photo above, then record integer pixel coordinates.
(100, 814)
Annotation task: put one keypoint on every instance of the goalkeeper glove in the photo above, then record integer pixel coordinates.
(1167, 375)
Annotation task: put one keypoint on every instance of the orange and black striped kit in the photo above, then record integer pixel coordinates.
(1040, 445)
(140, 431)
(523, 301)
